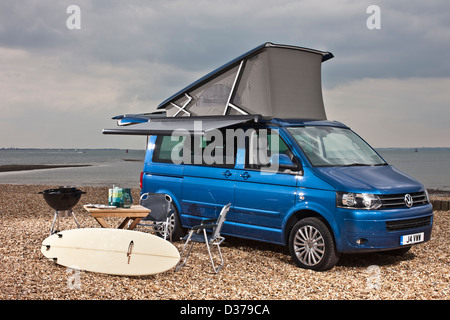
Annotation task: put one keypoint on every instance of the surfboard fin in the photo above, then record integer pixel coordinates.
(130, 248)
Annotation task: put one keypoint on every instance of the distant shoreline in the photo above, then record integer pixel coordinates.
(438, 192)
(23, 167)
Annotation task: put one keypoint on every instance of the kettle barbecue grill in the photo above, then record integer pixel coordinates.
(62, 199)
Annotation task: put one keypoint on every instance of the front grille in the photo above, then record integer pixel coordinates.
(397, 201)
(408, 224)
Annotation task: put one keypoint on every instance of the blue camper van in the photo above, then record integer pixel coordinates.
(254, 133)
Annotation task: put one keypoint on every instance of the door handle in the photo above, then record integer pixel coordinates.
(227, 174)
(245, 175)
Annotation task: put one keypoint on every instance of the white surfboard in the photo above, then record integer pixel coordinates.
(111, 251)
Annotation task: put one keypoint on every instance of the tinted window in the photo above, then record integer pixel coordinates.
(168, 149)
(262, 145)
(196, 150)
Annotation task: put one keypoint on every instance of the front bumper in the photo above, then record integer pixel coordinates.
(380, 230)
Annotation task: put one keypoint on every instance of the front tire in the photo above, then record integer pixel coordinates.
(311, 245)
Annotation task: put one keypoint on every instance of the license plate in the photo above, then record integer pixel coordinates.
(411, 238)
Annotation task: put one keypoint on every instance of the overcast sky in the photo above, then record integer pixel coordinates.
(59, 87)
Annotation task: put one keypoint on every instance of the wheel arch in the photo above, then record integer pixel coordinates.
(302, 214)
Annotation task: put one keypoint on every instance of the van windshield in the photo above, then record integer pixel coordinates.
(331, 146)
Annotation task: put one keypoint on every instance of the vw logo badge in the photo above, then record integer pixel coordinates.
(408, 200)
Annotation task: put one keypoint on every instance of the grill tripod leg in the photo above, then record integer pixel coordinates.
(73, 215)
(54, 221)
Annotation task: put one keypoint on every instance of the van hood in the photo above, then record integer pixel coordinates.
(369, 179)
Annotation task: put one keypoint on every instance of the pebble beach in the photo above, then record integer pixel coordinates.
(252, 270)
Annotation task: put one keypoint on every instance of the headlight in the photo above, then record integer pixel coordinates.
(357, 201)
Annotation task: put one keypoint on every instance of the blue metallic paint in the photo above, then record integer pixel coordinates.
(263, 205)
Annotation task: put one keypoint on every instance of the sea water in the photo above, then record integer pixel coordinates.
(107, 167)
(431, 166)
(122, 168)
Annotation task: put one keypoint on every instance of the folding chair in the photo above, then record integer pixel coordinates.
(158, 220)
(196, 236)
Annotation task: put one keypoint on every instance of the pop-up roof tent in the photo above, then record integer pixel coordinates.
(270, 81)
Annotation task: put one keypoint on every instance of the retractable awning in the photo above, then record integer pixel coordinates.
(182, 125)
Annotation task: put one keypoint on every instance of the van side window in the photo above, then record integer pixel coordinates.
(195, 150)
(168, 149)
(211, 150)
(262, 146)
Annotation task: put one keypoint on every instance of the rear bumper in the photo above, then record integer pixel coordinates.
(368, 231)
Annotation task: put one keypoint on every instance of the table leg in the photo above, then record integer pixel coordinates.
(102, 222)
(124, 223)
(134, 223)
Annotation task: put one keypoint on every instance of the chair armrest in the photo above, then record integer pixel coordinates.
(204, 226)
(208, 221)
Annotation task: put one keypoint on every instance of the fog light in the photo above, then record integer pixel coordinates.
(361, 241)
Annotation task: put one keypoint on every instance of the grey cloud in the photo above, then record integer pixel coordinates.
(200, 36)
(137, 53)
(412, 42)
(32, 24)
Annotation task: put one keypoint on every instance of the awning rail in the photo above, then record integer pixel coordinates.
(181, 125)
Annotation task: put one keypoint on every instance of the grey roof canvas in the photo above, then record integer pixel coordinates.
(271, 80)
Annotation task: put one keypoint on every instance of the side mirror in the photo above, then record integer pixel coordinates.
(283, 162)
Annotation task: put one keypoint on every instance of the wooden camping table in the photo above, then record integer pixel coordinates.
(136, 213)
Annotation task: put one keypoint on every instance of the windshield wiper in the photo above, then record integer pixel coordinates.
(356, 164)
